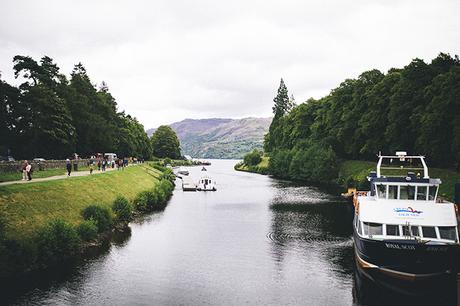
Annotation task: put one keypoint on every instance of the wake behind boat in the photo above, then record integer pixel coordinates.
(402, 229)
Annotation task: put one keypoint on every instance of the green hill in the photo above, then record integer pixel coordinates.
(220, 138)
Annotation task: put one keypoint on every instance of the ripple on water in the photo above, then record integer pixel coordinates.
(300, 194)
(282, 238)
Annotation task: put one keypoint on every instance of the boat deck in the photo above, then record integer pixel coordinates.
(188, 184)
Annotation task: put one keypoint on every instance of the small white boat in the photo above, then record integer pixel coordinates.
(206, 184)
(183, 171)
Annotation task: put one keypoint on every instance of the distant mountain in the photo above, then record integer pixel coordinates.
(220, 138)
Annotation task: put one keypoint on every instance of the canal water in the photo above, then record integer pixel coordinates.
(255, 241)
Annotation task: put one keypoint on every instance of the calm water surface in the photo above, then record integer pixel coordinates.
(256, 240)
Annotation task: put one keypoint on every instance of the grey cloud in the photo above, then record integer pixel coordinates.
(168, 60)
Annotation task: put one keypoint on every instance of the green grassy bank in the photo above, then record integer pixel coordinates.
(28, 207)
(261, 168)
(353, 173)
(51, 222)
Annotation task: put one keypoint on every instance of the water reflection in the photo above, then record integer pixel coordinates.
(33, 285)
(374, 290)
(255, 241)
(313, 223)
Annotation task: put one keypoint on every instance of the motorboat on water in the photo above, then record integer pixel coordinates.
(183, 171)
(402, 229)
(206, 183)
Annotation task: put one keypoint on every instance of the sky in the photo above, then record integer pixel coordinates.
(165, 61)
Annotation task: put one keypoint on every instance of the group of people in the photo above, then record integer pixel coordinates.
(101, 163)
(26, 171)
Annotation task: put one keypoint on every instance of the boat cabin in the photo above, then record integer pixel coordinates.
(405, 206)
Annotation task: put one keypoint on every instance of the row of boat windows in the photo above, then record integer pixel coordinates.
(435, 232)
(406, 192)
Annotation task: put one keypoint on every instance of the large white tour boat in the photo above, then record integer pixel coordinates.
(401, 228)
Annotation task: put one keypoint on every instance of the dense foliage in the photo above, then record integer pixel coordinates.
(87, 230)
(123, 209)
(414, 109)
(253, 158)
(57, 242)
(51, 116)
(100, 215)
(165, 143)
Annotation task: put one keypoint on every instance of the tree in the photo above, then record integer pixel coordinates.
(46, 127)
(282, 106)
(9, 107)
(165, 143)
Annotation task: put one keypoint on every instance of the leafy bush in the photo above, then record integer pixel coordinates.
(100, 215)
(168, 174)
(167, 161)
(16, 256)
(253, 158)
(156, 198)
(316, 164)
(2, 228)
(279, 163)
(122, 208)
(145, 200)
(87, 230)
(157, 166)
(57, 242)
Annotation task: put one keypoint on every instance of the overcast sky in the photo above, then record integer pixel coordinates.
(169, 60)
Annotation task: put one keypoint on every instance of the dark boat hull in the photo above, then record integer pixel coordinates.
(406, 259)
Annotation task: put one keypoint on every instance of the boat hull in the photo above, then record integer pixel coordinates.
(406, 259)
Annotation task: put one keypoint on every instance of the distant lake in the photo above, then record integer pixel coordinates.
(256, 240)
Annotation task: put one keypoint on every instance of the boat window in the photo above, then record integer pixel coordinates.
(392, 230)
(405, 230)
(422, 191)
(432, 193)
(373, 228)
(415, 231)
(428, 232)
(382, 191)
(448, 232)
(407, 192)
(392, 192)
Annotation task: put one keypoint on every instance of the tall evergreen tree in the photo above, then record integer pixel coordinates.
(47, 128)
(282, 106)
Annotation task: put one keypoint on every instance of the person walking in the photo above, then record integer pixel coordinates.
(29, 171)
(104, 164)
(91, 167)
(24, 172)
(68, 166)
(99, 165)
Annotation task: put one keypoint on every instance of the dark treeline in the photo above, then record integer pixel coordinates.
(414, 109)
(52, 116)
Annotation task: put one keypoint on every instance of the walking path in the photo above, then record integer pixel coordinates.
(57, 177)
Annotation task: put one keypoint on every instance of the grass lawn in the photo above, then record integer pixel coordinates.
(28, 207)
(15, 176)
(260, 167)
(358, 170)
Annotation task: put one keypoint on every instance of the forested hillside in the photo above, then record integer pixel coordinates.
(220, 138)
(52, 116)
(414, 109)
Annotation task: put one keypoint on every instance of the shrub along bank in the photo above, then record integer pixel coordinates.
(255, 162)
(37, 230)
(321, 169)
